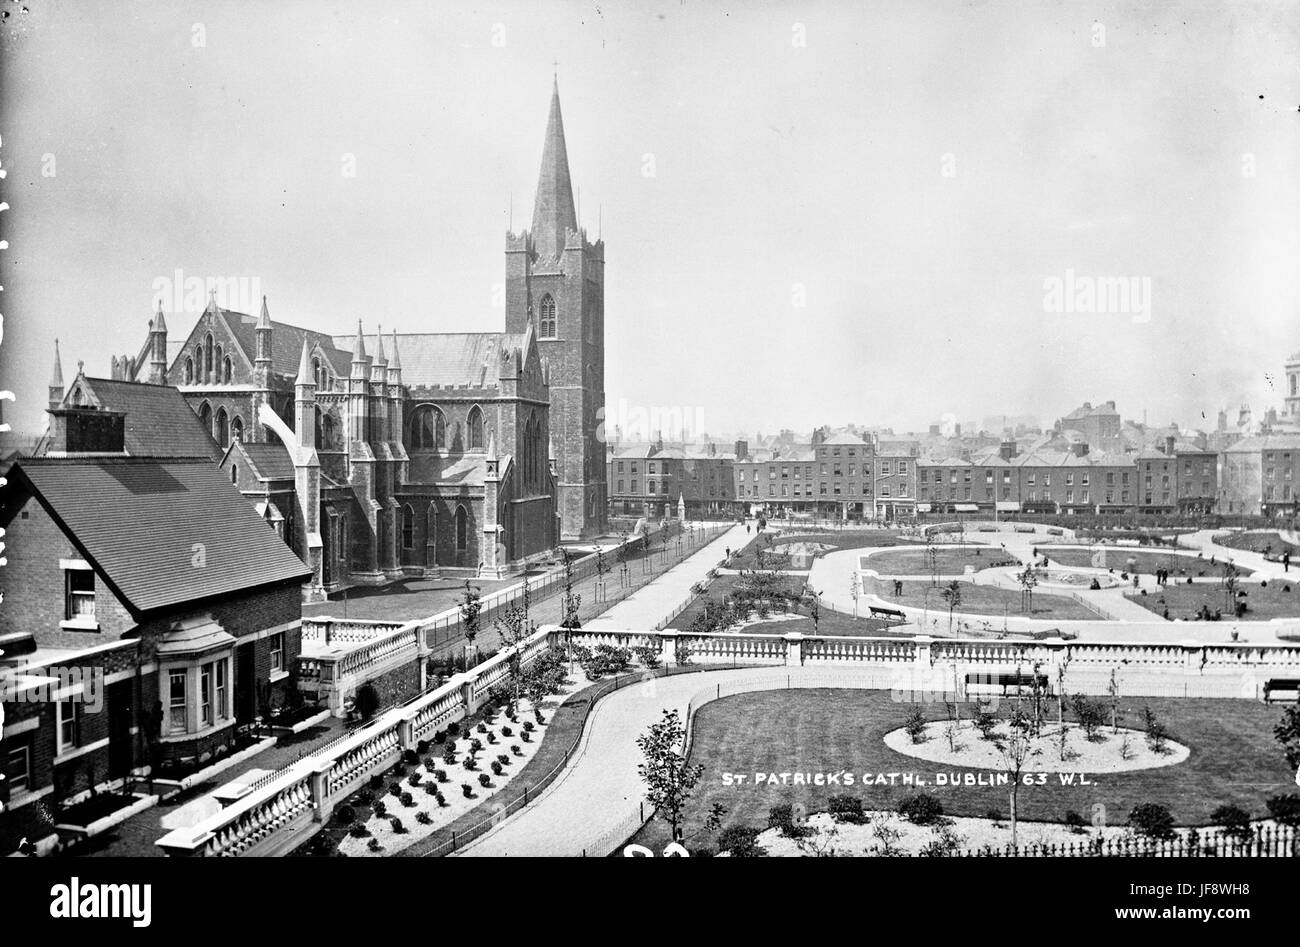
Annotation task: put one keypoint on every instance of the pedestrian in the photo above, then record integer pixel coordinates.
(1135, 580)
(1286, 561)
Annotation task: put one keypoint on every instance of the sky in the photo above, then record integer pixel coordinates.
(814, 213)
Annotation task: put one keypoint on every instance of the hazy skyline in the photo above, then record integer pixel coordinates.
(814, 213)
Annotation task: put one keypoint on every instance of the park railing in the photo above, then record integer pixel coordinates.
(1264, 841)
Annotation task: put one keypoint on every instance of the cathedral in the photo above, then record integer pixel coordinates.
(412, 454)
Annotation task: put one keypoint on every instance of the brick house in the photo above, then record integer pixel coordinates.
(148, 612)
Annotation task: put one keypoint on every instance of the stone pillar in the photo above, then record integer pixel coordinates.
(793, 649)
(668, 646)
(406, 731)
(924, 658)
(321, 807)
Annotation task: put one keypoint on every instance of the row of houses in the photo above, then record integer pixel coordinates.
(847, 477)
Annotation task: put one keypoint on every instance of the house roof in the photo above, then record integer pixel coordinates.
(268, 461)
(158, 423)
(141, 521)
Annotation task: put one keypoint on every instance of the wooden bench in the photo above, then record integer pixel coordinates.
(1282, 688)
(890, 614)
(1004, 683)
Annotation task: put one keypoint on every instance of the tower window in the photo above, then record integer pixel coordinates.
(408, 527)
(475, 428)
(547, 327)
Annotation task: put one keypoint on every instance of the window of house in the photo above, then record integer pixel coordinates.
(633, 486)
(277, 652)
(176, 688)
(69, 724)
(223, 708)
(205, 695)
(80, 594)
(18, 768)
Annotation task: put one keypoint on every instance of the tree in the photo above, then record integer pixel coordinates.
(1156, 732)
(514, 627)
(1027, 579)
(571, 601)
(621, 554)
(1152, 820)
(1016, 749)
(470, 607)
(853, 592)
(815, 608)
(1112, 689)
(1090, 714)
(1287, 733)
(1231, 576)
(602, 569)
(932, 558)
(952, 595)
(669, 777)
(1235, 823)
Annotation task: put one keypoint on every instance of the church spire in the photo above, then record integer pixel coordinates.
(553, 209)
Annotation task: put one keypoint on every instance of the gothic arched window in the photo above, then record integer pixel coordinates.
(428, 428)
(475, 428)
(189, 371)
(547, 328)
(207, 359)
(408, 527)
(227, 370)
(205, 415)
(462, 528)
(223, 428)
(236, 429)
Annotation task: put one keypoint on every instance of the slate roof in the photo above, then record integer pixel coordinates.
(159, 423)
(286, 344)
(269, 461)
(137, 520)
(444, 359)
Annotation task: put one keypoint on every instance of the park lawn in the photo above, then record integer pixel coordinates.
(947, 561)
(1185, 601)
(829, 622)
(839, 539)
(984, 600)
(1234, 760)
(1117, 559)
(1268, 543)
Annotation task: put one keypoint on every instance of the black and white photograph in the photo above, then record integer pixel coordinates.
(568, 429)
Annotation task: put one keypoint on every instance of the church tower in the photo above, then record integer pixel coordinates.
(555, 281)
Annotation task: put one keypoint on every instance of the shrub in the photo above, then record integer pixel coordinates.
(394, 789)
(537, 714)
(915, 726)
(453, 729)
(526, 737)
(374, 845)
(345, 815)
(449, 757)
(1235, 822)
(381, 810)
(376, 781)
(921, 809)
(439, 736)
(358, 830)
(496, 769)
(492, 737)
(507, 732)
(740, 841)
(1156, 732)
(846, 808)
(1285, 809)
(984, 720)
(1091, 715)
(1076, 822)
(484, 780)
(431, 789)
(421, 747)
(482, 728)
(423, 818)
(440, 775)
(398, 828)
(413, 779)
(442, 800)
(528, 726)
(469, 763)
(514, 748)
(1152, 820)
(363, 798)
(993, 815)
(503, 759)
(407, 799)
(410, 757)
(475, 746)
(782, 817)
(467, 790)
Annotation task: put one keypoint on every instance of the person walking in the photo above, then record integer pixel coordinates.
(1286, 561)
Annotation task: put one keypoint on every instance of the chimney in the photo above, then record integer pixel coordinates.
(1169, 444)
(1079, 448)
(87, 431)
(742, 450)
(1008, 449)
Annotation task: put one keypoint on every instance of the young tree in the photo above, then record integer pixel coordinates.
(952, 595)
(514, 627)
(1016, 749)
(1027, 579)
(1112, 689)
(621, 554)
(602, 569)
(570, 601)
(853, 592)
(815, 608)
(669, 777)
(470, 606)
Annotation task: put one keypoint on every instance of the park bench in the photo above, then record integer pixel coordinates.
(1024, 529)
(890, 614)
(1004, 683)
(1055, 531)
(1282, 688)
